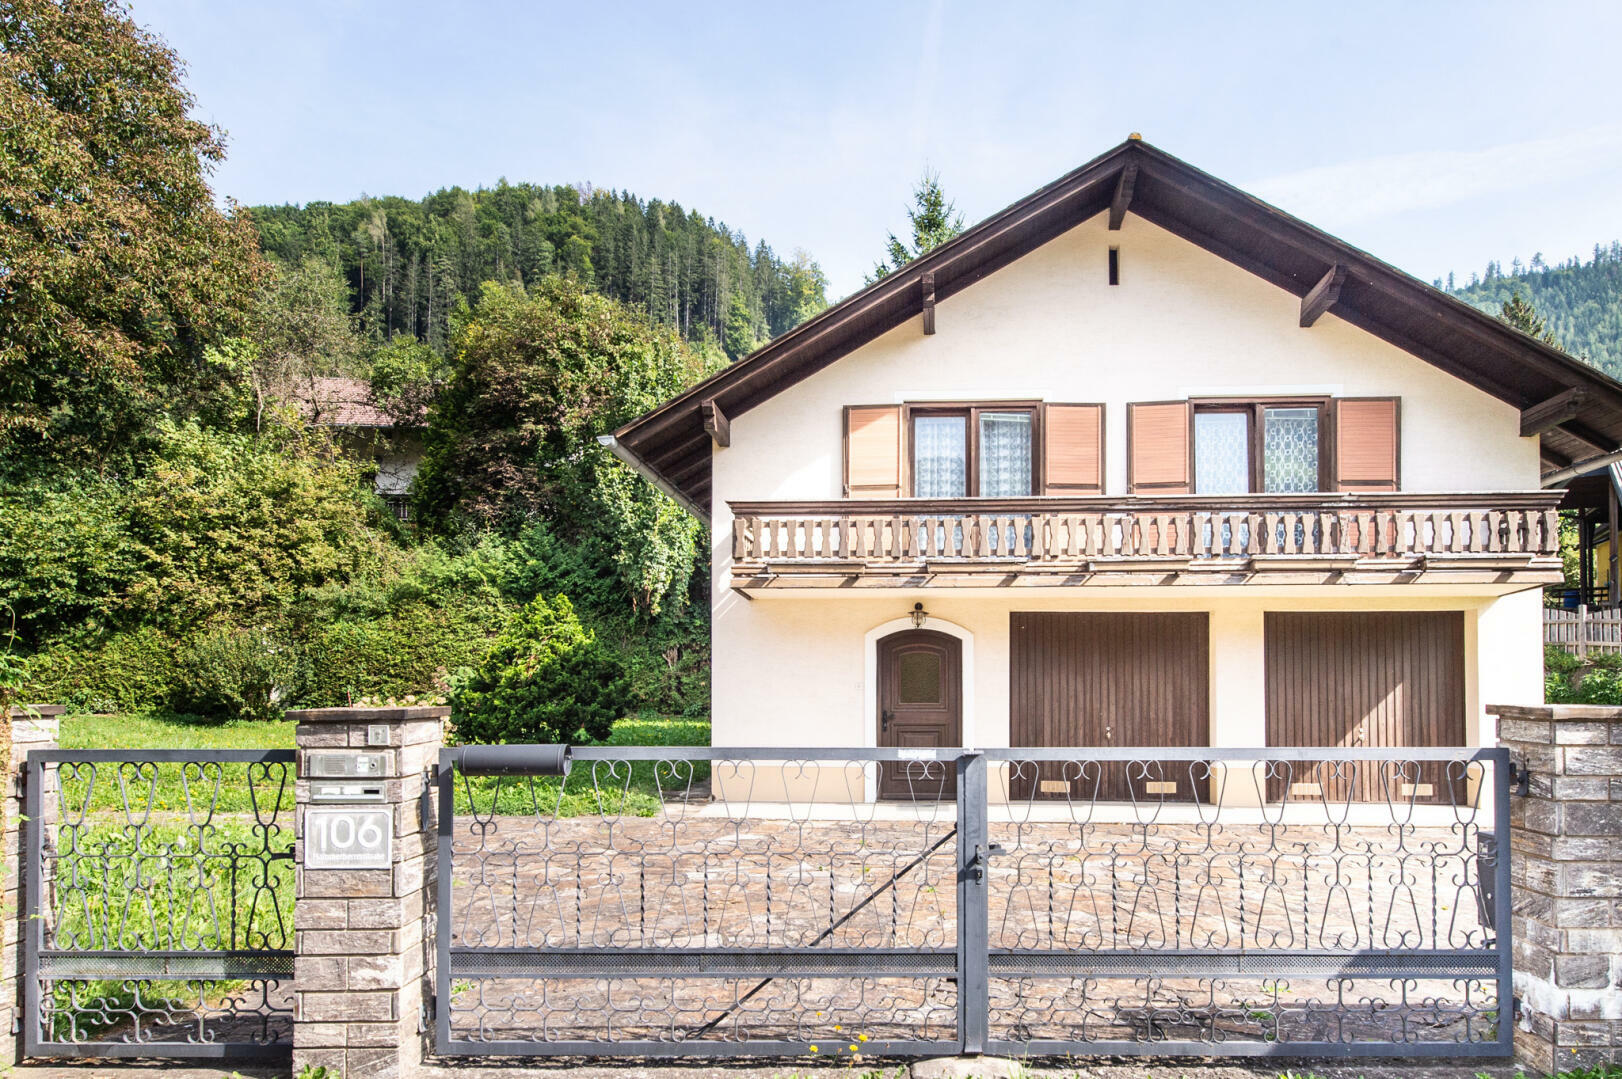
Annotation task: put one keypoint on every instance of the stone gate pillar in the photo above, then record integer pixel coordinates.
(1566, 883)
(35, 727)
(363, 893)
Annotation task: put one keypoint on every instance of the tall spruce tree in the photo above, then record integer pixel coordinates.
(934, 221)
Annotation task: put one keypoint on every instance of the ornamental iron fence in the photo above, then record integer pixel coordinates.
(158, 904)
(666, 902)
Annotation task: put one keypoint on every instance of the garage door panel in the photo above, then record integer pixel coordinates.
(1108, 679)
(1366, 679)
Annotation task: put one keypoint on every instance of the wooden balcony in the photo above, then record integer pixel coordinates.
(1502, 538)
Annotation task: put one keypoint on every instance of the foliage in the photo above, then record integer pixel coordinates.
(238, 674)
(410, 264)
(13, 672)
(64, 552)
(934, 221)
(1576, 305)
(116, 268)
(230, 524)
(1569, 680)
(547, 679)
(302, 329)
(115, 672)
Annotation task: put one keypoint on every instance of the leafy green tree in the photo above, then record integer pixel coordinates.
(116, 267)
(546, 679)
(302, 329)
(934, 221)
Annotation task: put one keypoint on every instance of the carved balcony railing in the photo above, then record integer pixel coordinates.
(1499, 537)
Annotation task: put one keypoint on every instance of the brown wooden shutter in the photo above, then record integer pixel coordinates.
(1367, 433)
(1073, 449)
(1157, 458)
(873, 451)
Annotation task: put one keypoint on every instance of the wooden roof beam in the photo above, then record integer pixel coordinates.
(716, 424)
(1545, 415)
(929, 301)
(1322, 296)
(1123, 196)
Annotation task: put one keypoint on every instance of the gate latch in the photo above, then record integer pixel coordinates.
(977, 860)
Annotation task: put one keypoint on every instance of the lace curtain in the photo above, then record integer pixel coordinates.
(1290, 449)
(1221, 453)
(1005, 454)
(940, 456)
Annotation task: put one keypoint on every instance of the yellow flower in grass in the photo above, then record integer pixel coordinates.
(861, 1037)
(853, 1049)
(814, 1049)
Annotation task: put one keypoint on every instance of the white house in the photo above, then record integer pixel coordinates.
(1138, 461)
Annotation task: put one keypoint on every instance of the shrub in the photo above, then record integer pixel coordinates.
(404, 651)
(547, 679)
(238, 674)
(119, 672)
(1602, 686)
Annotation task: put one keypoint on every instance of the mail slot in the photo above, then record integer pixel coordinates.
(345, 792)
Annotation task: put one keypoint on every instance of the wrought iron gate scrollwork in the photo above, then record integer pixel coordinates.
(665, 901)
(158, 903)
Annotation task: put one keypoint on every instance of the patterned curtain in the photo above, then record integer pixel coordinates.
(1221, 453)
(1005, 454)
(1290, 449)
(940, 456)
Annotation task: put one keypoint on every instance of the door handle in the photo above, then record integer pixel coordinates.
(884, 720)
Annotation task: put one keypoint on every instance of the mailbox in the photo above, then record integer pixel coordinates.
(329, 791)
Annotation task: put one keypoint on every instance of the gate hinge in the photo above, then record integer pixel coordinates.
(425, 804)
(1520, 778)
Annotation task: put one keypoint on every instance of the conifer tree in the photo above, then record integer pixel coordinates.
(934, 221)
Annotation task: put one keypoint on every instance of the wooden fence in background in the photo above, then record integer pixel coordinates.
(1584, 630)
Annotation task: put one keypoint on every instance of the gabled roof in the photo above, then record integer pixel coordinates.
(347, 402)
(671, 446)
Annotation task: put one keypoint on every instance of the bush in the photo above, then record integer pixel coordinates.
(238, 674)
(404, 651)
(119, 672)
(546, 680)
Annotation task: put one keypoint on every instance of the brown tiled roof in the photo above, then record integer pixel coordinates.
(345, 402)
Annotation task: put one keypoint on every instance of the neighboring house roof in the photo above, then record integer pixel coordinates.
(345, 402)
(1581, 417)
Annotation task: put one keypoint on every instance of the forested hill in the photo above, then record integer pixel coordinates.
(1581, 302)
(409, 263)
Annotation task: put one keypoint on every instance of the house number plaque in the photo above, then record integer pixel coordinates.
(348, 837)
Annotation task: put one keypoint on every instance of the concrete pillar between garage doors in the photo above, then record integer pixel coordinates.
(1566, 883)
(363, 893)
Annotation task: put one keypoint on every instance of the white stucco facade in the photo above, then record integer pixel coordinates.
(798, 668)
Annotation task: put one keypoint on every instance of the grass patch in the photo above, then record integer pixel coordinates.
(591, 789)
(597, 787)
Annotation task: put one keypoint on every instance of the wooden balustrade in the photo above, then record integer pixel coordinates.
(1329, 529)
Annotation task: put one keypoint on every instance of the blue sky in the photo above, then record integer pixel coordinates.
(1435, 135)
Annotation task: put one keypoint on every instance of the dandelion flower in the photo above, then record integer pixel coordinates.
(814, 1049)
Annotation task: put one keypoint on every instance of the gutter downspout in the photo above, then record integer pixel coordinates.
(1571, 472)
(641, 468)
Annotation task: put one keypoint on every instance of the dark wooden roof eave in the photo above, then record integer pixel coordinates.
(670, 441)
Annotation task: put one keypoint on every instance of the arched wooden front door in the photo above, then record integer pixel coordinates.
(920, 707)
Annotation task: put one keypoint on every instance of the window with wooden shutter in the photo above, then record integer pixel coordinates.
(1367, 434)
(1073, 449)
(873, 451)
(1157, 455)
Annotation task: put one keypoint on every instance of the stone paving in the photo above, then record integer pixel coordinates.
(704, 878)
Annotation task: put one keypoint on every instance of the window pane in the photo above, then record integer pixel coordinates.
(940, 456)
(1221, 453)
(919, 674)
(1290, 449)
(1005, 454)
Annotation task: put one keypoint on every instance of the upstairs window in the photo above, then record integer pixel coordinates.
(974, 451)
(1259, 446)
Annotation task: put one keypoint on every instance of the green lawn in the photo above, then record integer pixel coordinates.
(603, 789)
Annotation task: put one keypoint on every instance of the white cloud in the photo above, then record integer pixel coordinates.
(1374, 188)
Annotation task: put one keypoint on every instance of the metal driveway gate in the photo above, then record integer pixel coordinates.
(666, 901)
(158, 904)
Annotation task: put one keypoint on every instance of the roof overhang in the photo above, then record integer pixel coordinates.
(672, 447)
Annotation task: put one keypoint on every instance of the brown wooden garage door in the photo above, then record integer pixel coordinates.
(1370, 679)
(1108, 679)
